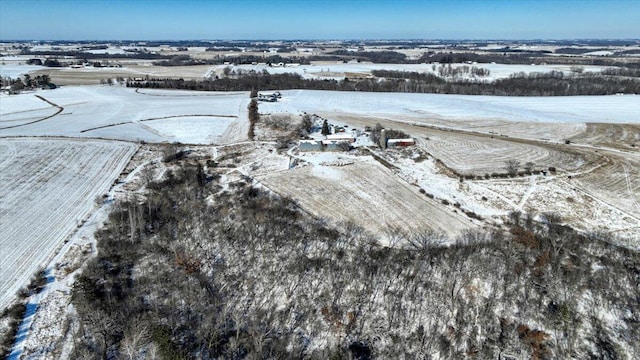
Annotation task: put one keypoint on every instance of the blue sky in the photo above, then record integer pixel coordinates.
(314, 19)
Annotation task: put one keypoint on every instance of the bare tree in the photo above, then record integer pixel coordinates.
(425, 239)
(512, 166)
(135, 338)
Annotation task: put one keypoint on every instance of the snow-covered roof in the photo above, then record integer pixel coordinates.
(340, 137)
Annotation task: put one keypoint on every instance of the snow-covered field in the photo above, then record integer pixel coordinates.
(16, 66)
(124, 114)
(48, 187)
(361, 191)
(15, 69)
(471, 154)
(424, 107)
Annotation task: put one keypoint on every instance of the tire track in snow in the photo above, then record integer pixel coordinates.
(629, 187)
(155, 118)
(530, 190)
(60, 109)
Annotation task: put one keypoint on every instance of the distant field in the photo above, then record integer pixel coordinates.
(317, 70)
(93, 76)
(47, 188)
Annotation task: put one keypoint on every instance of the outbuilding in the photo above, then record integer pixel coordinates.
(342, 137)
(400, 142)
(310, 145)
(336, 145)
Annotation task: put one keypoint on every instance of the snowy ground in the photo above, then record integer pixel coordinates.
(48, 187)
(114, 112)
(344, 188)
(15, 70)
(463, 108)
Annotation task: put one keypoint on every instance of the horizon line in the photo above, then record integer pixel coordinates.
(332, 39)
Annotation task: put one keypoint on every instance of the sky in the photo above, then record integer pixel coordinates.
(318, 19)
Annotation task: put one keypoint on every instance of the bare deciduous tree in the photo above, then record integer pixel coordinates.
(512, 166)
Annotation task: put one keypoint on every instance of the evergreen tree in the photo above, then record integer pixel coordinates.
(254, 116)
(325, 128)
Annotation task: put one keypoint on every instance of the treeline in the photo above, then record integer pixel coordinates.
(378, 57)
(622, 72)
(577, 51)
(271, 59)
(196, 272)
(554, 83)
(245, 82)
(182, 60)
(470, 57)
(26, 82)
(520, 58)
(410, 75)
(87, 55)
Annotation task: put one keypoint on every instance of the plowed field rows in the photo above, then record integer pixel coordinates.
(469, 154)
(367, 194)
(625, 136)
(47, 188)
(617, 184)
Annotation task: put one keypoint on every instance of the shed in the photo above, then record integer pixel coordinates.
(342, 137)
(400, 142)
(336, 145)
